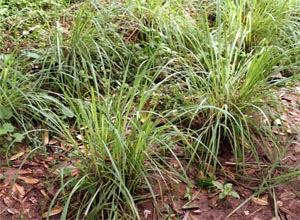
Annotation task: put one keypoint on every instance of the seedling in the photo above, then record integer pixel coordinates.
(7, 129)
(226, 190)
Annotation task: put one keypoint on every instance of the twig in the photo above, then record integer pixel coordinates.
(186, 215)
(3, 210)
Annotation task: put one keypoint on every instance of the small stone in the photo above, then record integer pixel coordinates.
(147, 212)
(279, 203)
(246, 213)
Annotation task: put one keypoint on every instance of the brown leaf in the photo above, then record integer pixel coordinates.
(23, 172)
(287, 211)
(18, 190)
(63, 146)
(13, 211)
(74, 172)
(288, 195)
(251, 171)
(4, 186)
(44, 194)
(46, 137)
(278, 132)
(28, 180)
(200, 174)
(48, 159)
(45, 165)
(16, 156)
(8, 201)
(52, 212)
(52, 142)
(260, 201)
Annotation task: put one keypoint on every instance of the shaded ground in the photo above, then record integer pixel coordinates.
(28, 194)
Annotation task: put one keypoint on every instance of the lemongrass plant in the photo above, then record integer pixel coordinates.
(230, 96)
(121, 144)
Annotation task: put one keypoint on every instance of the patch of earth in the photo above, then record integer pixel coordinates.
(25, 190)
(178, 200)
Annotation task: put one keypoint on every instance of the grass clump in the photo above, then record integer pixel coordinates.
(120, 145)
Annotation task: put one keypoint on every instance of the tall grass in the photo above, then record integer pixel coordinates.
(121, 141)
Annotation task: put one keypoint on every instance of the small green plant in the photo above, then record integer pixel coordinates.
(5, 113)
(226, 190)
(7, 129)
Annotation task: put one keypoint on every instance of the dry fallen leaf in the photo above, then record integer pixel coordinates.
(63, 146)
(52, 212)
(23, 172)
(288, 195)
(46, 137)
(45, 164)
(16, 156)
(52, 142)
(200, 174)
(8, 201)
(287, 211)
(28, 180)
(74, 172)
(251, 171)
(18, 191)
(260, 201)
(44, 194)
(13, 211)
(4, 186)
(278, 132)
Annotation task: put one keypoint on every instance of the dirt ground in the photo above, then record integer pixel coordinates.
(28, 194)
